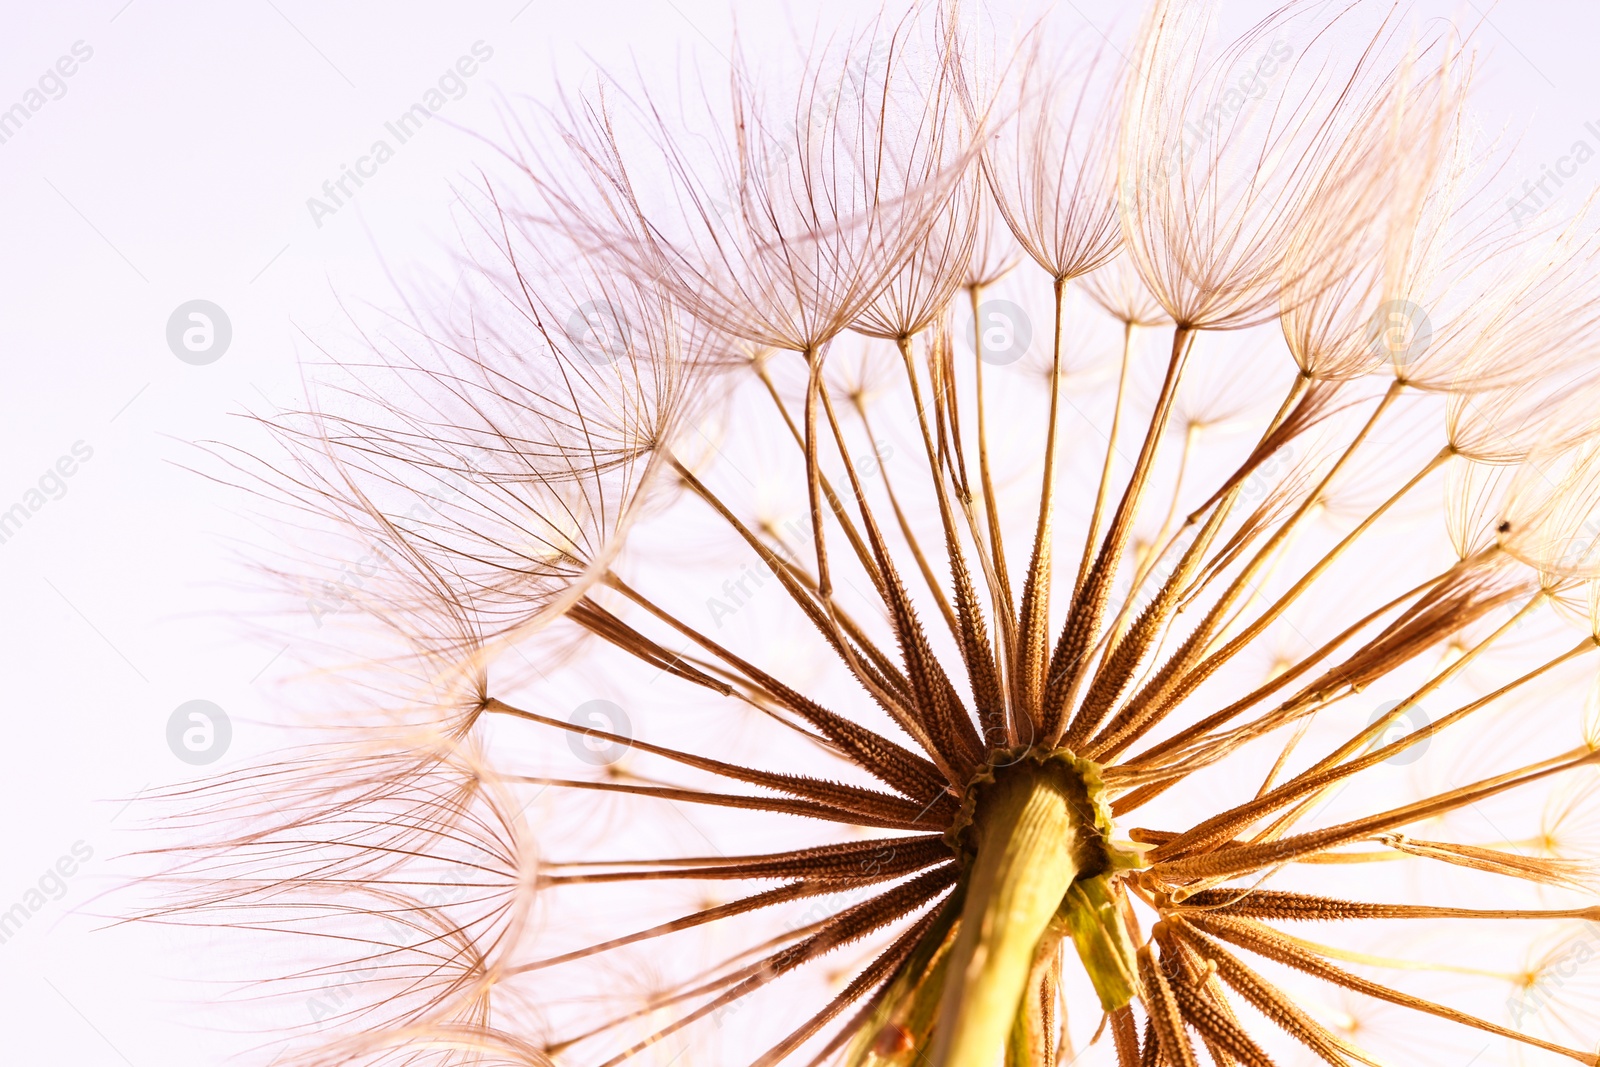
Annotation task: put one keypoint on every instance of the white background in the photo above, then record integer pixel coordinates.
(177, 165)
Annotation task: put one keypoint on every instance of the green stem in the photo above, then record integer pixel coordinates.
(1028, 830)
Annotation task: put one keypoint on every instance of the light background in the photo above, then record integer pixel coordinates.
(176, 165)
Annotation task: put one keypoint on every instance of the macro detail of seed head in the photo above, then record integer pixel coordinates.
(966, 548)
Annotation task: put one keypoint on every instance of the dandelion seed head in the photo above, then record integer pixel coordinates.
(936, 548)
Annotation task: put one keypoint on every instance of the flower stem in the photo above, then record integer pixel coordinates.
(1027, 828)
